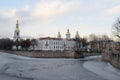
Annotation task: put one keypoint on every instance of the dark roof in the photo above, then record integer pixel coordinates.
(50, 38)
(53, 38)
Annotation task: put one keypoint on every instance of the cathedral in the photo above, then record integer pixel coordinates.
(48, 43)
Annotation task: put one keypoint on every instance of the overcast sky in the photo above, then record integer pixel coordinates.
(38, 18)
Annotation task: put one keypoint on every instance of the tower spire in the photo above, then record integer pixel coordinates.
(17, 37)
(17, 22)
(17, 25)
(17, 32)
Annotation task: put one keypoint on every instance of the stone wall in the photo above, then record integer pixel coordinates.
(105, 57)
(113, 58)
(47, 54)
(52, 54)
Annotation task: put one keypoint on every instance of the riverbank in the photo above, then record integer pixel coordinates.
(52, 54)
(47, 54)
(113, 58)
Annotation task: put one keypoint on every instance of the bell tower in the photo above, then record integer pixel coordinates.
(17, 32)
(17, 37)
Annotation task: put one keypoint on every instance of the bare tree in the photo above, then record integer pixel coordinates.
(25, 44)
(116, 28)
(93, 37)
(105, 38)
(33, 43)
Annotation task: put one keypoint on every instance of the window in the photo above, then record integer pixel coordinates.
(49, 42)
(17, 33)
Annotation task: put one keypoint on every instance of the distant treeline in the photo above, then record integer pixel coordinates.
(7, 44)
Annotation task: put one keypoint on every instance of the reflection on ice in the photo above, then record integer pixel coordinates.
(93, 58)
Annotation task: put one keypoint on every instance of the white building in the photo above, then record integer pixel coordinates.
(56, 44)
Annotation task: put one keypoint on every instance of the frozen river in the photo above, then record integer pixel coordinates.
(13, 67)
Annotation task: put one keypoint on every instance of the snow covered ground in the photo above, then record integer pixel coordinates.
(14, 67)
(103, 69)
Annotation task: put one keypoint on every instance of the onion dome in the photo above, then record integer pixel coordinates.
(77, 35)
(59, 35)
